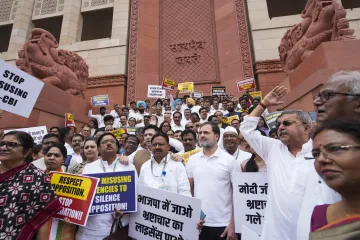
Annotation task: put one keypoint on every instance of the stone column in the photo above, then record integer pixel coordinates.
(22, 25)
(120, 20)
(72, 22)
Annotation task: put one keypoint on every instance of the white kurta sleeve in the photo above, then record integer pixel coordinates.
(176, 144)
(262, 145)
(182, 181)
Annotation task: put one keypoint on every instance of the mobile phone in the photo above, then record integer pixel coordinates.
(202, 215)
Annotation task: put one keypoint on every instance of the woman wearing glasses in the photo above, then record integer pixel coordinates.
(26, 197)
(336, 151)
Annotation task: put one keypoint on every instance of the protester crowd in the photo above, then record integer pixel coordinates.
(311, 166)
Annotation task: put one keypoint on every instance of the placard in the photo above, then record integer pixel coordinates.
(164, 215)
(100, 100)
(271, 119)
(250, 196)
(186, 155)
(18, 90)
(246, 84)
(218, 91)
(247, 234)
(115, 190)
(37, 133)
(228, 120)
(75, 193)
(69, 120)
(168, 84)
(156, 91)
(198, 94)
(186, 87)
(119, 132)
(256, 94)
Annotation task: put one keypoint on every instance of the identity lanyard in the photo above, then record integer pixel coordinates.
(116, 161)
(163, 172)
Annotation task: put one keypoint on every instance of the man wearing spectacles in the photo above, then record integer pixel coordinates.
(338, 98)
(286, 162)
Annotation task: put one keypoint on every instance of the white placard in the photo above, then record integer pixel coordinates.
(164, 215)
(18, 90)
(37, 133)
(156, 91)
(247, 234)
(250, 196)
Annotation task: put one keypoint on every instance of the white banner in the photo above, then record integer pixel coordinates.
(250, 196)
(164, 215)
(18, 90)
(247, 234)
(37, 133)
(156, 91)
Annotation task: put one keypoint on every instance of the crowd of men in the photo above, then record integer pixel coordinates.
(225, 135)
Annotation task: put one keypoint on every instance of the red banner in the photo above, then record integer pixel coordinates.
(76, 194)
(69, 120)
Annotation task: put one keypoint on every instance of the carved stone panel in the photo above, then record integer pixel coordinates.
(188, 48)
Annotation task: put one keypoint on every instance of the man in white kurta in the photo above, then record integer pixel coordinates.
(288, 162)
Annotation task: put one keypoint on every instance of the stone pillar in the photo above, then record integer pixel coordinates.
(72, 22)
(22, 25)
(120, 20)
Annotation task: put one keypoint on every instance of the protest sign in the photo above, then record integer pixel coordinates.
(198, 94)
(164, 215)
(18, 90)
(186, 87)
(119, 132)
(76, 193)
(228, 120)
(256, 94)
(250, 194)
(271, 119)
(246, 84)
(131, 130)
(69, 120)
(247, 234)
(168, 84)
(37, 133)
(115, 190)
(218, 91)
(185, 156)
(156, 91)
(100, 100)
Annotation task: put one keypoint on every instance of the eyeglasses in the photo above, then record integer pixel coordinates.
(286, 123)
(331, 150)
(10, 145)
(327, 95)
(57, 155)
(108, 141)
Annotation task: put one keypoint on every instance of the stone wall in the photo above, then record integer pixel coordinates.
(267, 33)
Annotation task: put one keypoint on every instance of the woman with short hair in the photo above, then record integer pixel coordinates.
(28, 200)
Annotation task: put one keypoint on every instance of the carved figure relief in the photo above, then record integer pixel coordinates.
(323, 20)
(63, 69)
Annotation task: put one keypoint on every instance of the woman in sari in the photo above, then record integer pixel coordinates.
(336, 151)
(54, 157)
(27, 199)
(91, 154)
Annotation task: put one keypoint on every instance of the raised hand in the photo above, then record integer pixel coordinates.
(273, 97)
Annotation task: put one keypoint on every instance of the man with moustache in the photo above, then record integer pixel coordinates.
(288, 163)
(77, 142)
(231, 110)
(209, 173)
(338, 98)
(231, 142)
(161, 171)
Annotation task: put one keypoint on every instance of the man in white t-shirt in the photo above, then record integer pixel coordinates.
(177, 116)
(209, 173)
